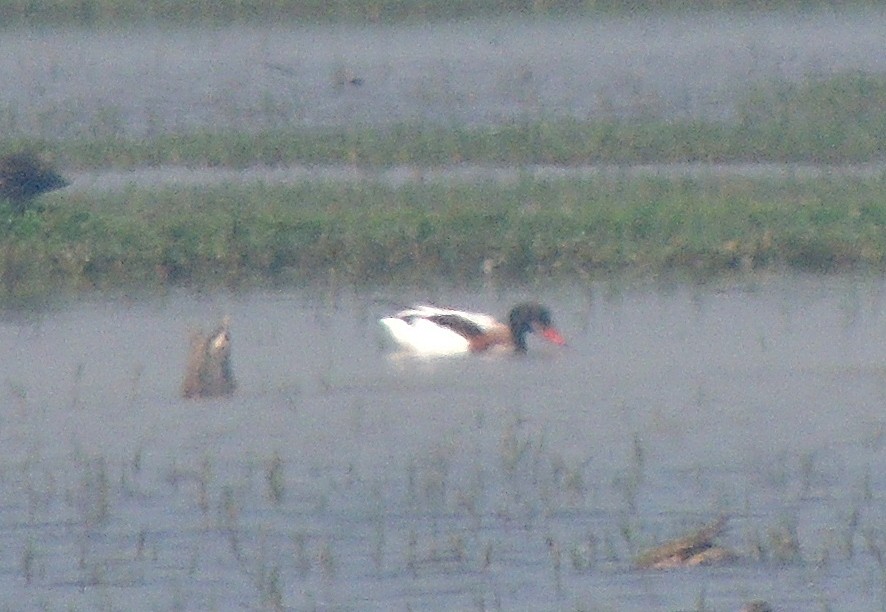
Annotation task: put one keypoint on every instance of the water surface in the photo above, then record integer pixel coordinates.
(143, 81)
(342, 476)
(398, 176)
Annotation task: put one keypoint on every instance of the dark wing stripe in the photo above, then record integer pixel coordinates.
(458, 324)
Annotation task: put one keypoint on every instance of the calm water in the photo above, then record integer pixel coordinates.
(140, 82)
(340, 476)
(398, 176)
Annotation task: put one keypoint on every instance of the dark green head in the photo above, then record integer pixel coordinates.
(531, 317)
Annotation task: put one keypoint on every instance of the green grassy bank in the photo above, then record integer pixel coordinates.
(370, 232)
(428, 232)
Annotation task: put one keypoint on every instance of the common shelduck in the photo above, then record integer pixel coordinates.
(429, 330)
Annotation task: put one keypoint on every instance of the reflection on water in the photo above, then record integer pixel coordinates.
(338, 477)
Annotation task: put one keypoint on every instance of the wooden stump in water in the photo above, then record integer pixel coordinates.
(208, 372)
(697, 548)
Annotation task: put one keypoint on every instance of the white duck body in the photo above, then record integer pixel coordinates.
(415, 331)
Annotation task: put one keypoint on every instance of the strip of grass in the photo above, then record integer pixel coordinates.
(427, 233)
(840, 119)
(107, 12)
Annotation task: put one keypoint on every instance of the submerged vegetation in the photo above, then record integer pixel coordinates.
(370, 232)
